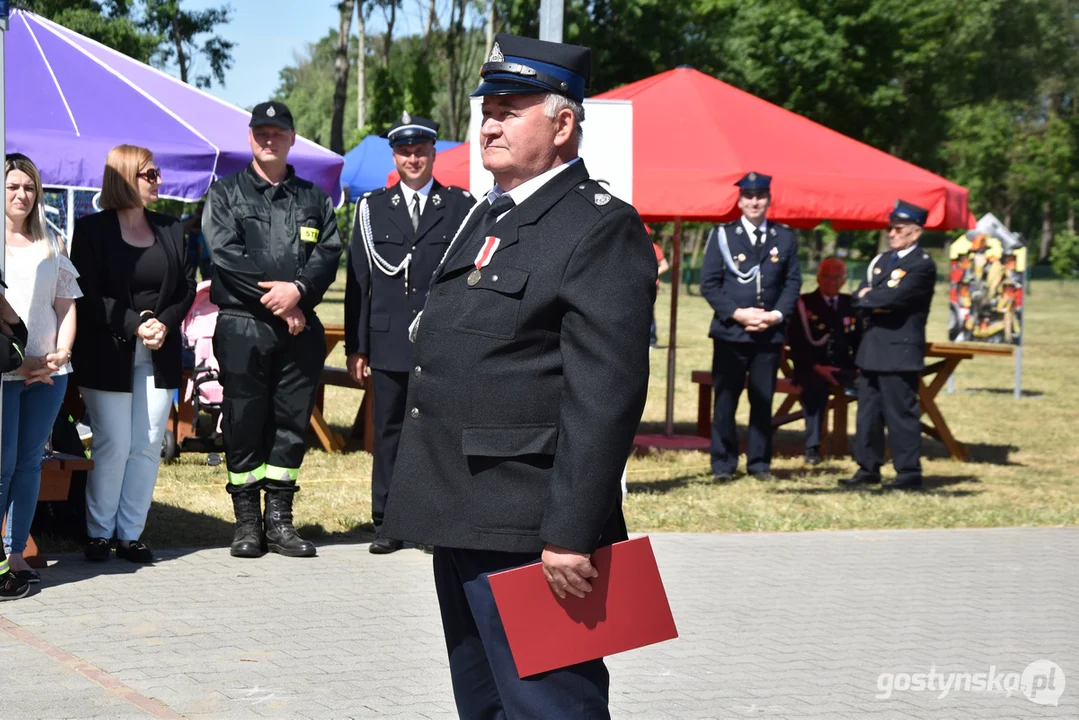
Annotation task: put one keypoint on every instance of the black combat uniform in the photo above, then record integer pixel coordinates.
(761, 272)
(261, 232)
(395, 248)
(824, 331)
(891, 357)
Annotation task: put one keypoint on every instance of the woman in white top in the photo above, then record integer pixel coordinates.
(42, 289)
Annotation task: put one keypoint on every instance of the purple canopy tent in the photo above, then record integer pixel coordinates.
(70, 100)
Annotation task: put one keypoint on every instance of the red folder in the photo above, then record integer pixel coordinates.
(626, 609)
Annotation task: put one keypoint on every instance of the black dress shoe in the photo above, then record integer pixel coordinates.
(860, 479)
(763, 476)
(30, 576)
(97, 550)
(385, 546)
(813, 456)
(722, 477)
(907, 483)
(136, 552)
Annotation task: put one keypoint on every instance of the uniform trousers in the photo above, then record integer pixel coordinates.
(388, 414)
(815, 402)
(889, 400)
(732, 363)
(268, 381)
(482, 670)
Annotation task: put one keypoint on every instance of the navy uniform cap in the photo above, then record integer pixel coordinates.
(904, 212)
(521, 66)
(755, 182)
(411, 129)
(272, 113)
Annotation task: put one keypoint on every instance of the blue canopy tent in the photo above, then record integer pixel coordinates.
(368, 164)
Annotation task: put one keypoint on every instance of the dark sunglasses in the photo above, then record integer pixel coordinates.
(153, 175)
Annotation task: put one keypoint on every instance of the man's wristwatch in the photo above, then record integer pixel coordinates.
(301, 287)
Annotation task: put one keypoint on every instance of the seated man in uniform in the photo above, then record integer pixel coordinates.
(823, 340)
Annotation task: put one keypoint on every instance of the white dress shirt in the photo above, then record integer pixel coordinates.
(423, 192)
(752, 230)
(528, 188)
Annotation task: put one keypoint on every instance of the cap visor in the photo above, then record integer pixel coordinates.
(510, 85)
(270, 121)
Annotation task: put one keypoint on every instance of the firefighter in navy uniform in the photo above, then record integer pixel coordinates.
(400, 236)
(751, 278)
(275, 248)
(823, 338)
(894, 301)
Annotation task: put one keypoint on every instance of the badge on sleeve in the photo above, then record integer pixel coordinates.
(309, 235)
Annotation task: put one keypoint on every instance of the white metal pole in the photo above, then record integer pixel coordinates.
(551, 20)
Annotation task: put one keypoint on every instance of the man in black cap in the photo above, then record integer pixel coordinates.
(751, 278)
(894, 301)
(823, 339)
(274, 246)
(529, 380)
(400, 236)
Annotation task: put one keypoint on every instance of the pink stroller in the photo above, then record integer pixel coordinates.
(202, 391)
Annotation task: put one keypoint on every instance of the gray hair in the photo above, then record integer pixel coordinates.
(555, 103)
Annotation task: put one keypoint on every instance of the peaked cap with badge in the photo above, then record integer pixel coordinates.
(905, 212)
(411, 129)
(272, 113)
(520, 66)
(755, 182)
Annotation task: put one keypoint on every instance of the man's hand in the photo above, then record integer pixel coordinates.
(295, 320)
(281, 297)
(747, 317)
(567, 571)
(827, 372)
(357, 367)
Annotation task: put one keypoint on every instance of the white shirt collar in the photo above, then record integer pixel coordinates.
(423, 192)
(903, 253)
(749, 228)
(529, 187)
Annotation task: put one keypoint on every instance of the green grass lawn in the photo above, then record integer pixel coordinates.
(1023, 469)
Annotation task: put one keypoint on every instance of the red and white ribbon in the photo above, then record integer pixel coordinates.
(490, 245)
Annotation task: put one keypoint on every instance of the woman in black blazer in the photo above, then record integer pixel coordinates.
(137, 287)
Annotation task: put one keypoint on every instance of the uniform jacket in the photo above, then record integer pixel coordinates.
(257, 232)
(842, 326)
(105, 337)
(528, 386)
(781, 281)
(894, 313)
(379, 307)
(13, 348)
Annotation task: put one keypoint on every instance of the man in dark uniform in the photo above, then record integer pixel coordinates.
(894, 301)
(529, 380)
(274, 246)
(751, 278)
(823, 340)
(400, 236)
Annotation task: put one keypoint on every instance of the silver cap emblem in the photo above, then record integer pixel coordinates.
(496, 54)
(270, 112)
(406, 119)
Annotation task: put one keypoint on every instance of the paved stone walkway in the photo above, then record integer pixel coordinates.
(772, 626)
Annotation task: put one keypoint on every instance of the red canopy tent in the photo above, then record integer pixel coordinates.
(694, 136)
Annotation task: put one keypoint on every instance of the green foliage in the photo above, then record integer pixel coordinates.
(420, 92)
(110, 23)
(1064, 257)
(384, 104)
(183, 39)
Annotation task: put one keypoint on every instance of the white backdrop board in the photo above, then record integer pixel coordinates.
(607, 147)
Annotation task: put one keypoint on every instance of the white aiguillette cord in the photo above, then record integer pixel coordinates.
(373, 258)
(753, 275)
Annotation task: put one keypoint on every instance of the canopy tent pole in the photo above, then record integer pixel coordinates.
(676, 276)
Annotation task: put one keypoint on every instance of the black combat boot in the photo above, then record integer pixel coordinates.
(248, 539)
(281, 536)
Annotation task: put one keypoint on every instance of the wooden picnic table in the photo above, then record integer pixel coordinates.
(55, 483)
(946, 356)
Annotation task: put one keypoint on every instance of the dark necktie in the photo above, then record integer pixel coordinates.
(893, 260)
(758, 235)
(504, 203)
(416, 211)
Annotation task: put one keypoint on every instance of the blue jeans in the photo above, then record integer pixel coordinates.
(29, 414)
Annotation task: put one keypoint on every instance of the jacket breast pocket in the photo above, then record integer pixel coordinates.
(507, 441)
(255, 223)
(492, 305)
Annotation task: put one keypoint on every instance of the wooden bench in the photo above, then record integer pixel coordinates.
(832, 443)
(55, 484)
(363, 425)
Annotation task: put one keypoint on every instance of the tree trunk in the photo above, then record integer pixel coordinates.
(1047, 229)
(389, 33)
(340, 77)
(361, 68)
(492, 16)
(432, 18)
(181, 59)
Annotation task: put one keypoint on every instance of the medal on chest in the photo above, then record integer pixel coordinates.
(490, 245)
